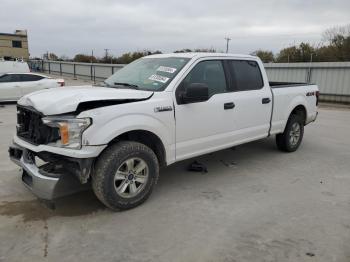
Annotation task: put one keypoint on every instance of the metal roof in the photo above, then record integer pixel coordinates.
(8, 34)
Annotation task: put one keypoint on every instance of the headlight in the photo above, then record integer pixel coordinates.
(70, 130)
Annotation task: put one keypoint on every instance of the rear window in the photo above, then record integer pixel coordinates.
(246, 75)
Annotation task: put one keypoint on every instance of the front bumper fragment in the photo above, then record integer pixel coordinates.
(44, 185)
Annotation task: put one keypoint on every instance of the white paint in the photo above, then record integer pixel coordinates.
(190, 129)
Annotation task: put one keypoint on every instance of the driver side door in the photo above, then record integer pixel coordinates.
(203, 127)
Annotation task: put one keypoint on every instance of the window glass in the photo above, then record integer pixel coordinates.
(209, 72)
(152, 74)
(9, 78)
(246, 75)
(26, 78)
(17, 44)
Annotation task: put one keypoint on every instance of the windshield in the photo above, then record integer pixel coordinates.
(152, 74)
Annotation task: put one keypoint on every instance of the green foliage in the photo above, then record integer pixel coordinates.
(198, 50)
(264, 55)
(84, 58)
(301, 53)
(336, 47)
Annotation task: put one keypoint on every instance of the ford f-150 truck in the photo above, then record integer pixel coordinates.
(156, 111)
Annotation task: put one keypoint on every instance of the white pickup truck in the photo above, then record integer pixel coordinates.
(153, 112)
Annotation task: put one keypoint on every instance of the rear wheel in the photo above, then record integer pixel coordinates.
(290, 139)
(125, 175)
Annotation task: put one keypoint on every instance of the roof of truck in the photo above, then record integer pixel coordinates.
(200, 55)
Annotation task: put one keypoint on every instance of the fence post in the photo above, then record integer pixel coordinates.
(94, 75)
(60, 68)
(91, 72)
(48, 63)
(74, 72)
(112, 70)
(42, 66)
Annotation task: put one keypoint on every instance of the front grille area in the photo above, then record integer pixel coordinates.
(31, 128)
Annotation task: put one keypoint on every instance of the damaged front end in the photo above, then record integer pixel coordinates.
(49, 175)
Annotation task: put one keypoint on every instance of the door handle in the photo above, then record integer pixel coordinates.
(266, 100)
(230, 105)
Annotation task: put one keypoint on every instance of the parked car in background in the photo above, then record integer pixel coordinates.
(13, 67)
(15, 85)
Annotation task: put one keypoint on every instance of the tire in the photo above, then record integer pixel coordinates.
(294, 128)
(115, 180)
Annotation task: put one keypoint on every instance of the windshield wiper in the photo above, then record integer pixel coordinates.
(127, 85)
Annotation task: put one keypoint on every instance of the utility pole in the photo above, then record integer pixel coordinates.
(227, 40)
(106, 53)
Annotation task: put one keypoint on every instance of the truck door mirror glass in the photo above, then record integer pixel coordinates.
(194, 93)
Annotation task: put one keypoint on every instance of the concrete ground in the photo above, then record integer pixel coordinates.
(254, 204)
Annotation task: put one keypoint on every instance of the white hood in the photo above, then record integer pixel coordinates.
(61, 100)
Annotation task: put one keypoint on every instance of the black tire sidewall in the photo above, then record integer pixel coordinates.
(293, 119)
(123, 151)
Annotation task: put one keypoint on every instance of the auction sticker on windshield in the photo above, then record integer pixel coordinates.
(159, 78)
(166, 69)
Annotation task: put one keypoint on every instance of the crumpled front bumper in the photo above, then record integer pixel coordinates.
(43, 184)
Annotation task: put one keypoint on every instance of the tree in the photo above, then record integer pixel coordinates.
(64, 58)
(265, 55)
(50, 56)
(338, 40)
(301, 53)
(129, 57)
(197, 50)
(84, 58)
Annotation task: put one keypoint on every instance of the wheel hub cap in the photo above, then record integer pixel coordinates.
(294, 134)
(131, 177)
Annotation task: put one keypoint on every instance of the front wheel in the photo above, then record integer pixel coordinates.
(125, 174)
(290, 139)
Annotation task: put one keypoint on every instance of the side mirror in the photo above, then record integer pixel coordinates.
(194, 93)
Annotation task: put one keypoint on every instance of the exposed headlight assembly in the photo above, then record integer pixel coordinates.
(70, 130)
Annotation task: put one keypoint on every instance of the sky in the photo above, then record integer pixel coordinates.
(68, 27)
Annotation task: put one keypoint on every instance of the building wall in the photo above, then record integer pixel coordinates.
(7, 49)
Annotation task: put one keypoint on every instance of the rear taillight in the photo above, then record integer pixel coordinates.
(317, 96)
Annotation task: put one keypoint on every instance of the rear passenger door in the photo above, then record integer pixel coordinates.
(253, 100)
(9, 87)
(30, 83)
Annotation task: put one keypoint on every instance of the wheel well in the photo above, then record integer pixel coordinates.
(300, 111)
(147, 138)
